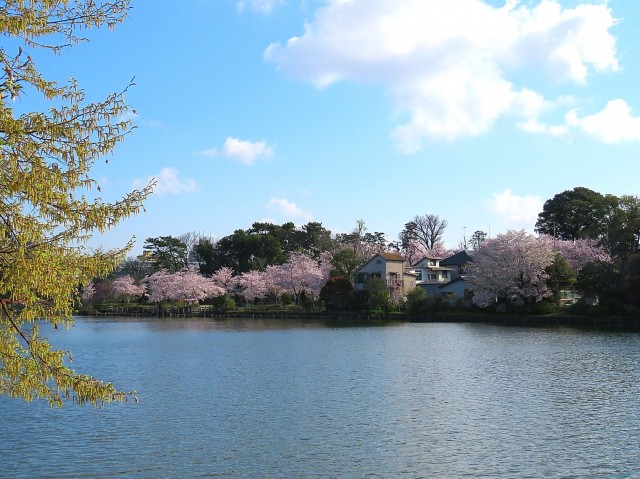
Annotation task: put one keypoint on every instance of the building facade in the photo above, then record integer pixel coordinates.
(388, 267)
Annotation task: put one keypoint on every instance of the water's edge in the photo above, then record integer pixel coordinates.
(610, 323)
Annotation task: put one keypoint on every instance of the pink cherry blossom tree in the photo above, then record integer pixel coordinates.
(125, 287)
(224, 279)
(325, 259)
(578, 252)
(413, 252)
(158, 286)
(186, 285)
(300, 273)
(439, 250)
(252, 285)
(88, 291)
(367, 250)
(190, 286)
(272, 283)
(510, 268)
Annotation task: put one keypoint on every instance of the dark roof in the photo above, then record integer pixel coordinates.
(391, 256)
(461, 257)
(457, 280)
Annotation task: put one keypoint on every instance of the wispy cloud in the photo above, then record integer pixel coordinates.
(262, 6)
(454, 67)
(140, 121)
(242, 151)
(289, 209)
(153, 124)
(514, 210)
(168, 182)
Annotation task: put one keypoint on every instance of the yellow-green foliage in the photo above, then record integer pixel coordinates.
(45, 217)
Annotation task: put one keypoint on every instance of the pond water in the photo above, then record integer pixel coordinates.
(267, 399)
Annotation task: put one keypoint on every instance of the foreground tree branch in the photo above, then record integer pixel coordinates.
(45, 215)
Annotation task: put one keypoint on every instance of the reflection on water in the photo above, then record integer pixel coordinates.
(267, 398)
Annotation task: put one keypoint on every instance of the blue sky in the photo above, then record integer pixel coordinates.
(340, 110)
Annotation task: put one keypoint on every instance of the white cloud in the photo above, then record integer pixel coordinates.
(515, 211)
(154, 124)
(243, 151)
(534, 126)
(453, 65)
(289, 209)
(168, 182)
(262, 6)
(614, 124)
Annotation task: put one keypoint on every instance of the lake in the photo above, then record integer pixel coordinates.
(270, 399)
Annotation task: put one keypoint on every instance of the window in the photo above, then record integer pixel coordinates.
(378, 261)
(433, 277)
(362, 277)
(419, 273)
(445, 275)
(462, 269)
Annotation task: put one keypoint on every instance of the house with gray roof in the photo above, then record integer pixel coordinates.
(458, 262)
(457, 287)
(443, 278)
(431, 274)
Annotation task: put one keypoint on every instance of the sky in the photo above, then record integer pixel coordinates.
(339, 110)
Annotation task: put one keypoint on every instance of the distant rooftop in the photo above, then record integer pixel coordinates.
(392, 256)
(460, 257)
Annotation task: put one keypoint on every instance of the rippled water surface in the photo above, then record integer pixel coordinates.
(247, 399)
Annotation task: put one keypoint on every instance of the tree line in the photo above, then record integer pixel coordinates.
(252, 262)
(611, 222)
(265, 244)
(586, 242)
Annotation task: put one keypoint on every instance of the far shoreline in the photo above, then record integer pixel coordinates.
(341, 318)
